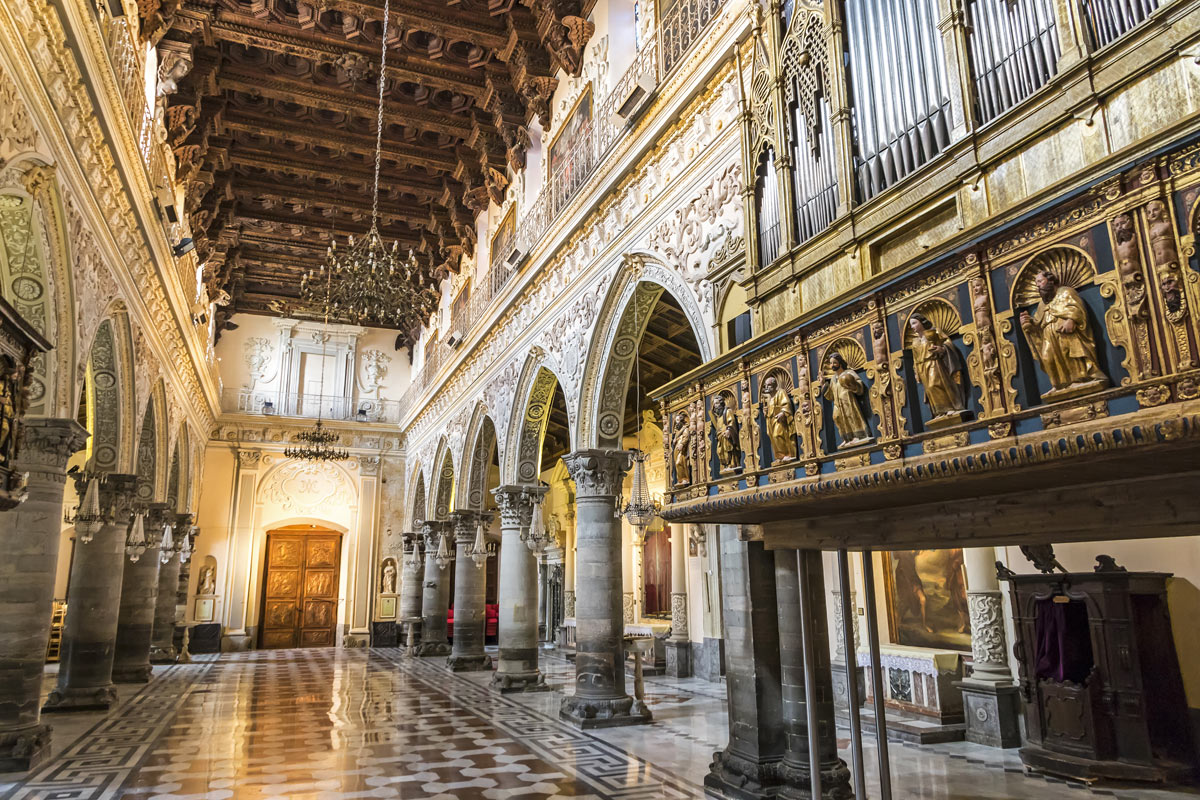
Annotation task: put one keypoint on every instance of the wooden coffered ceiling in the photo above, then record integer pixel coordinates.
(270, 111)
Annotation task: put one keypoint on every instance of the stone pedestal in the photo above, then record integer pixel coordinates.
(517, 668)
(435, 599)
(748, 767)
(139, 594)
(467, 654)
(29, 538)
(93, 604)
(600, 698)
(993, 712)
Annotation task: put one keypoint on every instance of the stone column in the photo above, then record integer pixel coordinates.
(748, 767)
(93, 604)
(182, 594)
(29, 537)
(139, 591)
(435, 600)
(412, 576)
(162, 640)
(569, 567)
(679, 646)
(600, 699)
(794, 769)
(470, 609)
(517, 668)
(990, 701)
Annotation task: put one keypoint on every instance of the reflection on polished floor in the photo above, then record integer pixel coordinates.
(332, 724)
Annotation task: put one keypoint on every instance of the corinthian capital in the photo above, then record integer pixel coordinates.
(48, 443)
(516, 503)
(598, 473)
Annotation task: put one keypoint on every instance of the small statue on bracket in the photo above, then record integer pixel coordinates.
(842, 389)
(724, 423)
(1062, 340)
(939, 367)
(781, 426)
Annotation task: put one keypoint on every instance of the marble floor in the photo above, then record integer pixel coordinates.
(332, 724)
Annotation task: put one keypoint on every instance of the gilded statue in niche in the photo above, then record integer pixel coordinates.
(843, 388)
(1061, 338)
(681, 448)
(939, 368)
(725, 425)
(10, 383)
(781, 423)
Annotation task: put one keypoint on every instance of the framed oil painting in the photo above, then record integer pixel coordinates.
(927, 598)
(574, 129)
(502, 239)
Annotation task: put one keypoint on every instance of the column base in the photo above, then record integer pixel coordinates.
(679, 658)
(797, 785)
(513, 682)
(477, 663)
(96, 698)
(138, 674)
(841, 692)
(609, 712)
(732, 776)
(432, 649)
(993, 712)
(22, 750)
(163, 655)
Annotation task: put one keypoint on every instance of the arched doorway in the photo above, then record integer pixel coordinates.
(300, 587)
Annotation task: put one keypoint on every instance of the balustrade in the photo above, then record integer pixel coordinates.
(292, 404)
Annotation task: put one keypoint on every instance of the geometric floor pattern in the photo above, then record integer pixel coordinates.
(332, 724)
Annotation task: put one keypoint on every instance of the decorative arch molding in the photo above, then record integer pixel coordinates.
(310, 490)
(443, 483)
(417, 501)
(481, 439)
(123, 345)
(527, 428)
(103, 401)
(640, 282)
(162, 439)
(35, 276)
(174, 481)
(147, 460)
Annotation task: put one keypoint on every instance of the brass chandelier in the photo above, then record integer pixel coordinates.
(371, 282)
(316, 444)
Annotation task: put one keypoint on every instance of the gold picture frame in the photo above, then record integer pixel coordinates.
(575, 125)
(926, 592)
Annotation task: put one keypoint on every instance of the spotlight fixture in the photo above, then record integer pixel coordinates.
(185, 246)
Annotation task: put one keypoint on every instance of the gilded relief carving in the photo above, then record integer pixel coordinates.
(937, 363)
(318, 584)
(681, 448)
(844, 389)
(725, 432)
(285, 552)
(779, 416)
(282, 583)
(321, 553)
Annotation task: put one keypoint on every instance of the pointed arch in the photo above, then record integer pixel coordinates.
(527, 425)
(477, 459)
(35, 276)
(147, 464)
(103, 401)
(620, 326)
(443, 483)
(417, 500)
(174, 479)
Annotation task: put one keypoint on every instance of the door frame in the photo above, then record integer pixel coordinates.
(298, 529)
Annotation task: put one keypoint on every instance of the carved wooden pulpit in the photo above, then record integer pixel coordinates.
(19, 344)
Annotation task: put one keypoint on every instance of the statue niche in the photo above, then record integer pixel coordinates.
(1058, 329)
(387, 576)
(725, 428)
(937, 363)
(845, 390)
(780, 415)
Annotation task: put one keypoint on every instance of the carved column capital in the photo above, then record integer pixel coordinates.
(516, 503)
(466, 523)
(249, 459)
(432, 530)
(986, 611)
(117, 492)
(48, 443)
(598, 473)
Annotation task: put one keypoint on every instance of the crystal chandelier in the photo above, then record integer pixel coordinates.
(185, 545)
(642, 507)
(535, 540)
(374, 284)
(316, 444)
(167, 547)
(481, 550)
(443, 557)
(87, 519)
(136, 541)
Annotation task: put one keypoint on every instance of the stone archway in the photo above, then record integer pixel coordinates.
(477, 459)
(103, 401)
(535, 393)
(620, 327)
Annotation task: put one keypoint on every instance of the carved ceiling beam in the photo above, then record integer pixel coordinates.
(439, 19)
(337, 141)
(340, 202)
(418, 185)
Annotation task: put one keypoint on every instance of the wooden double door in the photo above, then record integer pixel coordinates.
(300, 588)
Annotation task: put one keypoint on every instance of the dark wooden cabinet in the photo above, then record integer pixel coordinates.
(1100, 677)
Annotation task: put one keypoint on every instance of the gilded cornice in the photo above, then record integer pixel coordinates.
(153, 292)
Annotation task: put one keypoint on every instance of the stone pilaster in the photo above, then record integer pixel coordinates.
(435, 599)
(162, 640)
(679, 646)
(139, 595)
(93, 605)
(517, 668)
(600, 699)
(794, 769)
(412, 575)
(748, 767)
(466, 654)
(29, 538)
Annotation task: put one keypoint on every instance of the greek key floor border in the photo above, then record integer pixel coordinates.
(97, 764)
(613, 771)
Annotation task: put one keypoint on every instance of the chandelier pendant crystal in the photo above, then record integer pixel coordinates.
(167, 547)
(88, 519)
(536, 540)
(481, 550)
(443, 557)
(374, 283)
(136, 541)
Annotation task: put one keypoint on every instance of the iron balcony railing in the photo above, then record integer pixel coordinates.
(309, 406)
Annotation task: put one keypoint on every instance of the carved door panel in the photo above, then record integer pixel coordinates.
(300, 589)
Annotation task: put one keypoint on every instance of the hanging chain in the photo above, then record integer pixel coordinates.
(379, 113)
